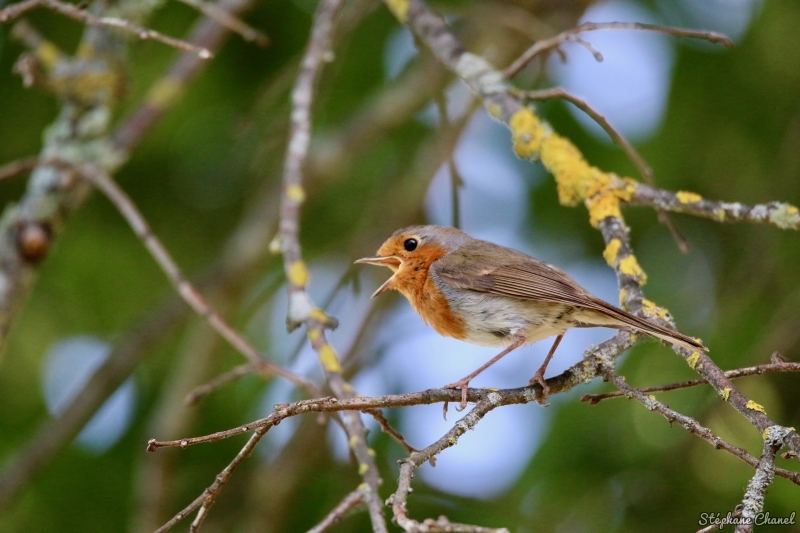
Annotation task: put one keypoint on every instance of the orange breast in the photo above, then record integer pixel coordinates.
(426, 299)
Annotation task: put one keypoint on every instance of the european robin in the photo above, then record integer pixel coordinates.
(490, 295)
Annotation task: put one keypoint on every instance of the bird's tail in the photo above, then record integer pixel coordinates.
(606, 314)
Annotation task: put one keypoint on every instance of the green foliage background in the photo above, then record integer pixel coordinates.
(732, 132)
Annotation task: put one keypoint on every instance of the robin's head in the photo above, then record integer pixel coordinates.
(409, 252)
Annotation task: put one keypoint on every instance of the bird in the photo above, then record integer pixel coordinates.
(490, 295)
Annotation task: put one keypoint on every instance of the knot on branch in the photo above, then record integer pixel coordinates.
(776, 436)
(33, 240)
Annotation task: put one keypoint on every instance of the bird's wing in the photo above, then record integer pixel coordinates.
(502, 271)
(484, 267)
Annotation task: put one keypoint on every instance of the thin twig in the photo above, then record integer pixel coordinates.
(570, 35)
(456, 181)
(592, 399)
(638, 161)
(182, 286)
(16, 168)
(399, 499)
(168, 88)
(302, 310)
(72, 11)
(691, 425)
(207, 388)
(340, 511)
(387, 428)
(229, 21)
(781, 215)
(209, 496)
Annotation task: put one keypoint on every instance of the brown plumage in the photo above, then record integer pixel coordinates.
(491, 295)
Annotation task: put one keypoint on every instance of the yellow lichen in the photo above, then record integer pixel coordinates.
(610, 253)
(494, 110)
(275, 244)
(362, 469)
(298, 273)
(570, 170)
(399, 9)
(313, 334)
(693, 359)
(785, 217)
(527, 132)
(601, 206)
(720, 214)
(371, 452)
(164, 92)
(753, 406)
(48, 54)
(352, 441)
(765, 433)
(725, 393)
(630, 266)
(653, 309)
(329, 359)
(652, 397)
(452, 441)
(318, 315)
(295, 193)
(686, 197)
(622, 295)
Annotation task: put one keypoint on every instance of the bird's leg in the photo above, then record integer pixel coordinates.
(538, 377)
(516, 341)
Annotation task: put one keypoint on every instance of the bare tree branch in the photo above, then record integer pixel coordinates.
(571, 35)
(753, 502)
(181, 284)
(302, 310)
(340, 511)
(72, 11)
(781, 215)
(638, 161)
(592, 399)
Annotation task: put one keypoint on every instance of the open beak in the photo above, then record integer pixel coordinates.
(388, 261)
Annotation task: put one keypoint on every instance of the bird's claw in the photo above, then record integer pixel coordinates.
(538, 377)
(463, 385)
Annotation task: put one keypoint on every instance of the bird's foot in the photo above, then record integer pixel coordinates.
(538, 377)
(462, 384)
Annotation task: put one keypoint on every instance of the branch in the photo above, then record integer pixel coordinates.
(753, 502)
(180, 283)
(167, 90)
(577, 182)
(74, 12)
(58, 432)
(593, 399)
(407, 466)
(302, 310)
(638, 161)
(15, 168)
(340, 511)
(209, 496)
(571, 35)
(781, 215)
(691, 425)
(205, 389)
(229, 21)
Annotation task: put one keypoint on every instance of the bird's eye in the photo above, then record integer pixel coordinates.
(410, 245)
